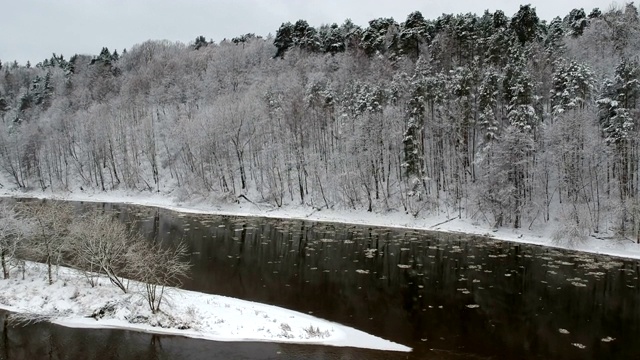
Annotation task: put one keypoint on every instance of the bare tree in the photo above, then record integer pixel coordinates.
(12, 231)
(51, 221)
(159, 267)
(102, 244)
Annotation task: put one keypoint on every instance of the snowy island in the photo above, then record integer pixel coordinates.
(71, 302)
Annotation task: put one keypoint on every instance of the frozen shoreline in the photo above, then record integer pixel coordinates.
(441, 223)
(70, 302)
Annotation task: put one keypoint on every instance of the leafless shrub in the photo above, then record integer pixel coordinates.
(570, 234)
(316, 332)
(160, 267)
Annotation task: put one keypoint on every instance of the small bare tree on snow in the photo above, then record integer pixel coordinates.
(12, 232)
(103, 244)
(51, 221)
(161, 267)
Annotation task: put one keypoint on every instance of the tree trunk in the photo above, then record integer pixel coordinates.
(49, 269)
(5, 270)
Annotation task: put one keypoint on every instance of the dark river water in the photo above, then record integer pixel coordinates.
(446, 296)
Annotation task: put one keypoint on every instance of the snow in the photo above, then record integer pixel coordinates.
(443, 223)
(70, 301)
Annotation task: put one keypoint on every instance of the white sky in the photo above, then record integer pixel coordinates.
(34, 29)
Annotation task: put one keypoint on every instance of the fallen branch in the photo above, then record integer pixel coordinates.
(315, 210)
(444, 222)
(246, 198)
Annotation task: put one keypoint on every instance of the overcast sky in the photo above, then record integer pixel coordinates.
(34, 29)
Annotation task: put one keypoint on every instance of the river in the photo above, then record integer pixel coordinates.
(447, 296)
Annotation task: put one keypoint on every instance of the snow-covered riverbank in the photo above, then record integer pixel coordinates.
(71, 302)
(443, 222)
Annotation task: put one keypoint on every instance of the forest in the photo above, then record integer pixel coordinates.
(510, 121)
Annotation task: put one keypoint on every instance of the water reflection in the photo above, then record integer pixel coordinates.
(48, 341)
(447, 296)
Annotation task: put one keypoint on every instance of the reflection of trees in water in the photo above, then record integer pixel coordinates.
(155, 346)
(287, 263)
(48, 341)
(4, 350)
(390, 298)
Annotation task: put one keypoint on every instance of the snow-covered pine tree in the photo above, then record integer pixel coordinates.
(413, 32)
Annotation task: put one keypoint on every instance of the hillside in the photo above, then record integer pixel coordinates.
(511, 122)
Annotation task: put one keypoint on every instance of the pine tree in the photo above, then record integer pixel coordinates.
(499, 41)
(413, 33)
(284, 39)
(351, 33)
(4, 107)
(465, 31)
(554, 41)
(305, 37)
(200, 42)
(572, 86)
(105, 55)
(519, 135)
(243, 39)
(332, 39)
(412, 141)
(525, 24)
(488, 105)
(618, 119)
(47, 90)
(618, 97)
(413, 161)
(595, 13)
(375, 37)
(104, 58)
(576, 22)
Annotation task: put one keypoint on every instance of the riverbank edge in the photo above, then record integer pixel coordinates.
(440, 223)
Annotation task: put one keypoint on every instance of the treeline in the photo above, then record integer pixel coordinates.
(508, 120)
